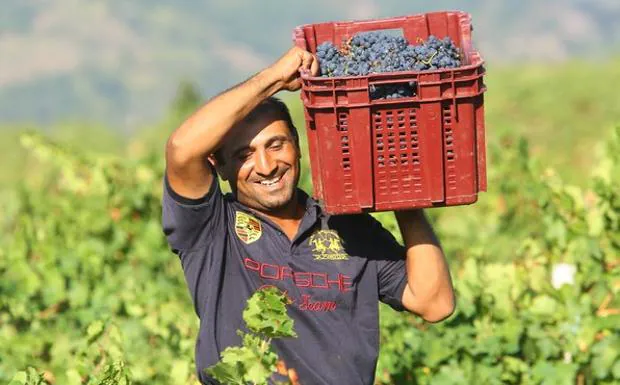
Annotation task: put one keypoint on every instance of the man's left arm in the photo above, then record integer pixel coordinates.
(429, 291)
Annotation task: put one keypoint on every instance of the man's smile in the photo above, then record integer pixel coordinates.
(274, 182)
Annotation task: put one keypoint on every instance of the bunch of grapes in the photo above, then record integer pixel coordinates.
(376, 52)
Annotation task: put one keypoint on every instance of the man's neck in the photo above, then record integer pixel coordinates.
(289, 217)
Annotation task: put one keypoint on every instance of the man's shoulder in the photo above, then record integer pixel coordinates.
(362, 220)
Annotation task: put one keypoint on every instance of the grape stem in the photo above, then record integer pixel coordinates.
(430, 59)
(265, 345)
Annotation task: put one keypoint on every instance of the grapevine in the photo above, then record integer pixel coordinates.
(89, 246)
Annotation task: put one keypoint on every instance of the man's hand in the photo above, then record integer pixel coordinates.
(288, 68)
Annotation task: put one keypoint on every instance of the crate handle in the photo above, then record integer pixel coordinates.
(369, 25)
(411, 86)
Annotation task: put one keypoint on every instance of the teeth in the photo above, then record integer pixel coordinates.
(269, 182)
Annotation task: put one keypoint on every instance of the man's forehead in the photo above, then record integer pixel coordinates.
(256, 133)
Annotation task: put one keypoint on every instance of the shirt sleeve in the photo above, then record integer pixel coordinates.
(190, 224)
(391, 266)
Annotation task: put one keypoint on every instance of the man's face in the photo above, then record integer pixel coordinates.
(261, 163)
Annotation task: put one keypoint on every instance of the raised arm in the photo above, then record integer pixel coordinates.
(429, 291)
(202, 133)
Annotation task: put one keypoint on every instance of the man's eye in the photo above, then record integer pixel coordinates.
(245, 155)
(277, 145)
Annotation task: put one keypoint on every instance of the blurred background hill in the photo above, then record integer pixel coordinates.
(101, 73)
(120, 62)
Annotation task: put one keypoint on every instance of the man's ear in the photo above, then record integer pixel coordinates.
(218, 167)
(298, 147)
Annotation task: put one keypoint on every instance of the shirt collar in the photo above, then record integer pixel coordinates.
(313, 208)
(307, 201)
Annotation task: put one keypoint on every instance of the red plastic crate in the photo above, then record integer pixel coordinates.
(376, 155)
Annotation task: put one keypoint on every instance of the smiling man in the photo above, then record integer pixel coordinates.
(334, 269)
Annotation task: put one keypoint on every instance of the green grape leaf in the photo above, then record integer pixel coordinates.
(266, 315)
(596, 221)
(605, 353)
(544, 306)
(226, 373)
(95, 330)
(28, 377)
(259, 370)
(615, 370)
(114, 374)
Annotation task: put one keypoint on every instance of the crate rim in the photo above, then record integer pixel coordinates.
(387, 18)
(478, 61)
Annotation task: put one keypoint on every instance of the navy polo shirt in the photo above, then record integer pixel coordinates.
(335, 271)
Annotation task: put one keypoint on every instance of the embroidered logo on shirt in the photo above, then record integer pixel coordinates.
(327, 245)
(247, 227)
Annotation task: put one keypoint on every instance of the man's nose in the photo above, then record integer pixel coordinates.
(265, 165)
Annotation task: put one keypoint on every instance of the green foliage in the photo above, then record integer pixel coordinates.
(251, 363)
(516, 323)
(266, 315)
(98, 361)
(28, 377)
(90, 290)
(255, 361)
(548, 106)
(87, 245)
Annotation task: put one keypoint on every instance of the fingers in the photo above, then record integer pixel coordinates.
(295, 62)
(314, 66)
(309, 63)
(281, 368)
(306, 60)
(292, 375)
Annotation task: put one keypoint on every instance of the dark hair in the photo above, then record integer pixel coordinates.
(271, 106)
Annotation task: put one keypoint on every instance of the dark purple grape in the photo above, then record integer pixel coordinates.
(376, 52)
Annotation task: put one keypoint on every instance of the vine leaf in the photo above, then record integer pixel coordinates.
(265, 314)
(254, 362)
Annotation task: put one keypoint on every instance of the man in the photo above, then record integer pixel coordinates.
(269, 233)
